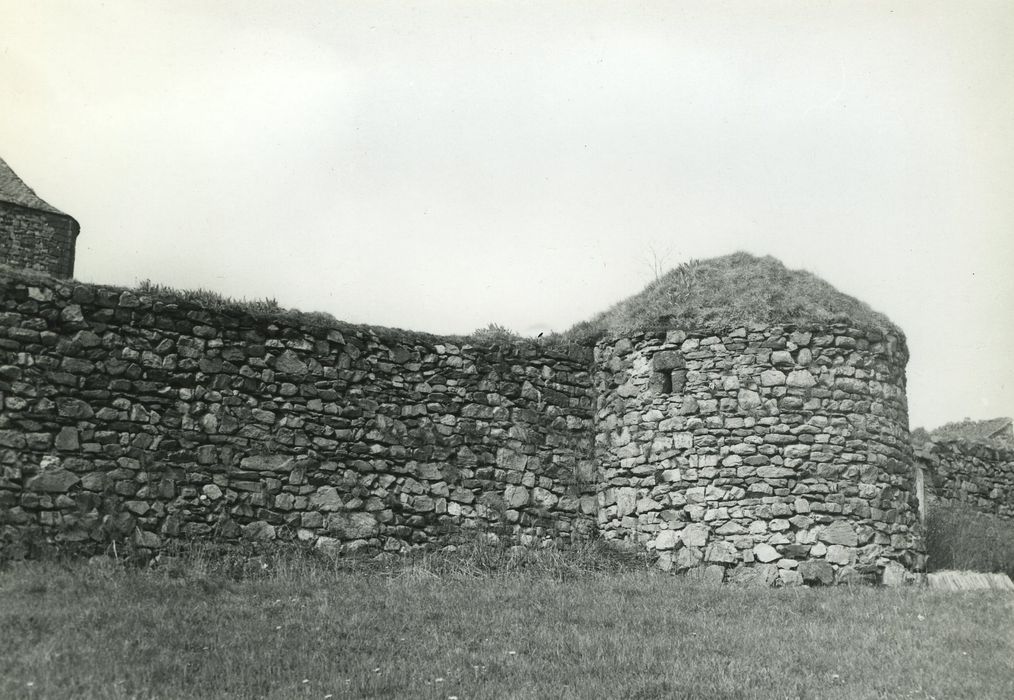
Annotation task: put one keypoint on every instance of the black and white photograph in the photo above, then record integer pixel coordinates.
(501, 349)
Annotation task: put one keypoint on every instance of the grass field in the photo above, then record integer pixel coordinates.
(434, 629)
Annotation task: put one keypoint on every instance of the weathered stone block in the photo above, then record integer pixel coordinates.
(666, 539)
(290, 363)
(839, 554)
(73, 408)
(626, 501)
(765, 553)
(212, 491)
(772, 472)
(544, 497)
(839, 532)
(683, 441)
(748, 399)
(667, 360)
(56, 480)
(694, 535)
(759, 575)
(789, 577)
(271, 463)
(259, 530)
(326, 500)
(67, 439)
(801, 379)
(781, 358)
(516, 496)
(819, 572)
(353, 526)
(147, 540)
(893, 575)
(688, 557)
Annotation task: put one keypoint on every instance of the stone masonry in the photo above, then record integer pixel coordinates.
(771, 453)
(127, 417)
(974, 474)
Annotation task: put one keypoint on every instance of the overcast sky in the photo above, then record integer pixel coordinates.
(439, 165)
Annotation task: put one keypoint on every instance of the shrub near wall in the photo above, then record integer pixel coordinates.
(977, 475)
(136, 416)
(776, 454)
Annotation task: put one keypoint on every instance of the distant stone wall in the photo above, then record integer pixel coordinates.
(974, 474)
(37, 240)
(131, 418)
(771, 454)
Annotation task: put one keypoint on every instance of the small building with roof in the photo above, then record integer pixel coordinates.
(34, 235)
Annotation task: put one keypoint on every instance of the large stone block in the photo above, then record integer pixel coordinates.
(289, 363)
(259, 530)
(771, 472)
(760, 575)
(666, 539)
(722, 552)
(326, 499)
(688, 557)
(694, 535)
(819, 572)
(748, 399)
(765, 553)
(893, 575)
(839, 554)
(667, 360)
(67, 439)
(73, 408)
(801, 379)
(268, 463)
(626, 501)
(56, 480)
(516, 496)
(353, 526)
(839, 532)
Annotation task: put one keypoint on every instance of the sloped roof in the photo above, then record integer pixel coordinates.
(971, 429)
(733, 290)
(14, 190)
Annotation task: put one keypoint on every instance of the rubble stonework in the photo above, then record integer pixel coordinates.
(126, 417)
(772, 453)
(973, 474)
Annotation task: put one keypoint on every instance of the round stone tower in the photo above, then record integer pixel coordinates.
(768, 446)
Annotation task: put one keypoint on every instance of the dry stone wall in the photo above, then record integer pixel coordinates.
(762, 454)
(974, 474)
(132, 417)
(773, 455)
(37, 240)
